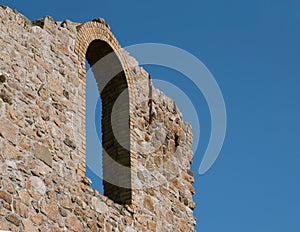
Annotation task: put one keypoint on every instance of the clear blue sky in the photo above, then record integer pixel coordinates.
(253, 50)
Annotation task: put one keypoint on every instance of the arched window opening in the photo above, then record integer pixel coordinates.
(93, 131)
(113, 89)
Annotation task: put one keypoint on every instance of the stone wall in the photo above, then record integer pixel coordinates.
(42, 137)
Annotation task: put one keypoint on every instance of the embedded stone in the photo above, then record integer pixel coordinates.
(25, 144)
(6, 197)
(66, 203)
(56, 229)
(78, 212)
(74, 225)
(8, 131)
(37, 185)
(24, 196)
(21, 209)
(44, 230)
(5, 96)
(152, 226)
(54, 84)
(41, 152)
(70, 143)
(52, 195)
(50, 210)
(13, 219)
(99, 206)
(3, 224)
(93, 226)
(36, 218)
(148, 203)
(2, 78)
(66, 94)
(43, 93)
(63, 49)
(63, 212)
(7, 206)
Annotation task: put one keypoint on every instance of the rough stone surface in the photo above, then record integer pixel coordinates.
(43, 142)
(50, 210)
(8, 131)
(13, 219)
(28, 226)
(43, 153)
(37, 185)
(73, 224)
(99, 205)
(6, 197)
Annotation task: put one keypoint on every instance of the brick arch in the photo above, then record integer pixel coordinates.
(90, 31)
(96, 35)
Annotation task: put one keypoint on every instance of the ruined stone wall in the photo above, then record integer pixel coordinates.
(42, 137)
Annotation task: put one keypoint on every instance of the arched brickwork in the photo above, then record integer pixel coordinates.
(95, 41)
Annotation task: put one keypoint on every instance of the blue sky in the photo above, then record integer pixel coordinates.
(252, 48)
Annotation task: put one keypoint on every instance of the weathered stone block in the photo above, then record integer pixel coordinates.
(6, 96)
(20, 209)
(28, 226)
(24, 196)
(99, 206)
(8, 131)
(41, 152)
(5, 196)
(73, 224)
(148, 204)
(2, 76)
(37, 185)
(37, 219)
(11, 153)
(3, 224)
(50, 210)
(13, 219)
(66, 203)
(70, 143)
